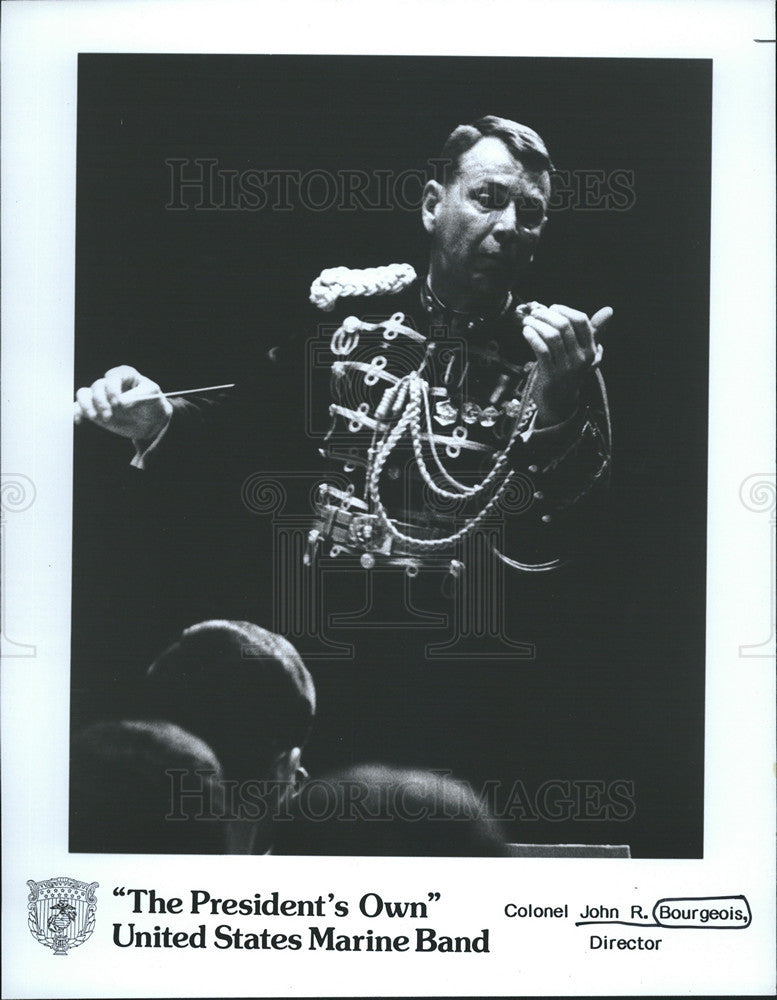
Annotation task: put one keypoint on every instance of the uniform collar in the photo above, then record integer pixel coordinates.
(432, 304)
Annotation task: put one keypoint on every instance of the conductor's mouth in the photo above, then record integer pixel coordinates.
(496, 262)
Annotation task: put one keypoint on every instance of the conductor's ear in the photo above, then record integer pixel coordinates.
(430, 203)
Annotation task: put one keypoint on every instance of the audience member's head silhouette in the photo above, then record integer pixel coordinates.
(373, 809)
(247, 693)
(122, 791)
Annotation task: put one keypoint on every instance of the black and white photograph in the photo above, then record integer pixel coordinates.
(420, 387)
(389, 591)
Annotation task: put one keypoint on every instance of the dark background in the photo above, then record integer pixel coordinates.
(616, 690)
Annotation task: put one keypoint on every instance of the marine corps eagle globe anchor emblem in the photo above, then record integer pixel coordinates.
(61, 912)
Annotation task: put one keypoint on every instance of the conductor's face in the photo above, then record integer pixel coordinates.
(484, 225)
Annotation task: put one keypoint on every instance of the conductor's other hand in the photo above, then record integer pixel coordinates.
(125, 403)
(566, 344)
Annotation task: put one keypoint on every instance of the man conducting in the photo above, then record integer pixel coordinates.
(451, 403)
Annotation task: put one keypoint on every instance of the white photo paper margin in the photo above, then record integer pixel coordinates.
(40, 44)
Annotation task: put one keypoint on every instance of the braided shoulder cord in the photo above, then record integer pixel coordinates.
(606, 405)
(379, 454)
(501, 458)
(552, 564)
(336, 282)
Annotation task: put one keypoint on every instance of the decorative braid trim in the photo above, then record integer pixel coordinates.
(409, 422)
(335, 282)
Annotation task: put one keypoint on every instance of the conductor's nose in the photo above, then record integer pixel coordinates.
(506, 223)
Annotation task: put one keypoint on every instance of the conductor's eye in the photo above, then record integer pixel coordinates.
(532, 219)
(531, 212)
(492, 197)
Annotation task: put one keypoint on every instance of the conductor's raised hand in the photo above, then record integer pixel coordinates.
(566, 345)
(125, 403)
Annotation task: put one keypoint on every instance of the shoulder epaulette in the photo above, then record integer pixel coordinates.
(335, 282)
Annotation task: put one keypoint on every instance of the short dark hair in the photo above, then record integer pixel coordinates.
(121, 790)
(380, 810)
(242, 689)
(523, 142)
